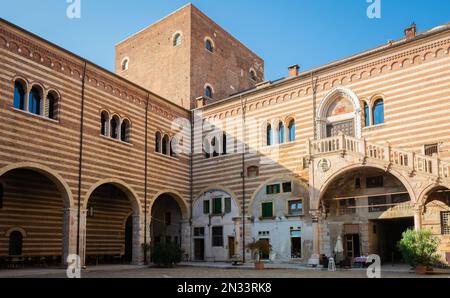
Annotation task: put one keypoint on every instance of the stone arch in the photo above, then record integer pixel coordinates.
(176, 196)
(124, 187)
(350, 168)
(216, 187)
(15, 229)
(329, 99)
(303, 184)
(56, 178)
(423, 195)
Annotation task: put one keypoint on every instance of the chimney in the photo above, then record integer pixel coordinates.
(411, 31)
(201, 102)
(293, 70)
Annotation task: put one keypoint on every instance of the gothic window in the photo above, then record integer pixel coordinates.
(281, 136)
(158, 142)
(291, 129)
(35, 100)
(209, 45)
(51, 105)
(378, 112)
(269, 135)
(104, 123)
(19, 95)
(125, 131)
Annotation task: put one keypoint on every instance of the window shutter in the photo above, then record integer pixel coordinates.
(227, 205)
(205, 207)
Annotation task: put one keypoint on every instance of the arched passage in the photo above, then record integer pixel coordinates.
(436, 217)
(113, 224)
(34, 216)
(369, 209)
(169, 215)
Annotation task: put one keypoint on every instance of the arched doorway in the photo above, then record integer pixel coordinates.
(112, 225)
(166, 220)
(369, 209)
(32, 217)
(436, 217)
(339, 112)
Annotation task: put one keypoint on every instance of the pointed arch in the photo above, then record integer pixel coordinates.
(326, 103)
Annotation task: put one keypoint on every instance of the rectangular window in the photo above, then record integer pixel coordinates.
(217, 236)
(400, 198)
(378, 204)
(206, 208)
(287, 187)
(431, 149)
(168, 218)
(347, 206)
(295, 207)
(273, 189)
(199, 232)
(445, 222)
(217, 206)
(227, 205)
(267, 210)
(374, 182)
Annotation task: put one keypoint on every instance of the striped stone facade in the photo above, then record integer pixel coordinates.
(74, 182)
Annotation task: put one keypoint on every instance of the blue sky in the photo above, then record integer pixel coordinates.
(282, 32)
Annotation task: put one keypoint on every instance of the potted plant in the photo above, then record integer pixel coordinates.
(259, 248)
(419, 249)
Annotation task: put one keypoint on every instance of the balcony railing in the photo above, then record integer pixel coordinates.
(414, 162)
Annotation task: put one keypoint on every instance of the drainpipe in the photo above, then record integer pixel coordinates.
(80, 157)
(244, 106)
(191, 182)
(146, 177)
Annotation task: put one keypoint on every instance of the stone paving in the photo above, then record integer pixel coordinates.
(215, 270)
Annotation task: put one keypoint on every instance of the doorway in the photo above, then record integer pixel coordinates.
(346, 127)
(128, 257)
(352, 246)
(389, 233)
(231, 249)
(199, 249)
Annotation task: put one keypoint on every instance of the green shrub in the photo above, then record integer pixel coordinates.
(167, 254)
(419, 248)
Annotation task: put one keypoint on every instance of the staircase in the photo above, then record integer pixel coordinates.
(368, 152)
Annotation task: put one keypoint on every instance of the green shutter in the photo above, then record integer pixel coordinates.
(267, 210)
(217, 206)
(205, 207)
(227, 205)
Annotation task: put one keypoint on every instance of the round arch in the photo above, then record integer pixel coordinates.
(176, 196)
(423, 196)
(217, 187)
(271, 180)
(56, 178)
(120, 184)
(329, 100)
(350, 168)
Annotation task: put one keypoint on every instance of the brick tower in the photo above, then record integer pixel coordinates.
(187, 55)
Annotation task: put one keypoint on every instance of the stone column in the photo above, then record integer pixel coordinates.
(237, 237)
(186, 241)
(418, 210)
(315, 257)
(138, 240)
(69, 233)
(82, 232)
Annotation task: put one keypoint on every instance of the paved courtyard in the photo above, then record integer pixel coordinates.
(213, 271)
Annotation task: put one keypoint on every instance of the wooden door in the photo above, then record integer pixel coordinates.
(346, 127)
(199, 249)
(231, 250)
